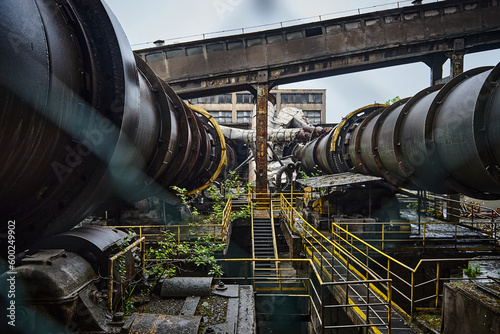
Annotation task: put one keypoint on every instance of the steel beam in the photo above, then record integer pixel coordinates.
(261, 142)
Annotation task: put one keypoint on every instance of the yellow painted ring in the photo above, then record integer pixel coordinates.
(223, 158)
(338, 128)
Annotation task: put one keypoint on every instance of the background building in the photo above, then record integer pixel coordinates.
(237, 107)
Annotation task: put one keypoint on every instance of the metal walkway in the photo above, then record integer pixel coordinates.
(359, 291)
(360, 294)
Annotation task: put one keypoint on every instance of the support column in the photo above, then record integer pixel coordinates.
(261, 133)
(457, 58)
(457, 67)
(436, 62)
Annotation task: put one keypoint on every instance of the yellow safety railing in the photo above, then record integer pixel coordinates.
(341, 256)
(408, 282)
(226, 220)
(405, 284)
(336, 264)
(111, 260)
(219, 232)
(416, 235)
(307, 283)
(462, 213)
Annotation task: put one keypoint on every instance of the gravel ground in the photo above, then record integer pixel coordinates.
(213, 310)
(159, 305)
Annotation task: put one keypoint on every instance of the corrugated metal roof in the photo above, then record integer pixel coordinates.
(337, 180)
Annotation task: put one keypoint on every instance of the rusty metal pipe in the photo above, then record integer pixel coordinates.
(83, 121)
(445, 139)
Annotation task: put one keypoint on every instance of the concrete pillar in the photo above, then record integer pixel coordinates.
(436, 62)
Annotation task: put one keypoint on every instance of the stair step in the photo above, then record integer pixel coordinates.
(264, 265)
(265, 272)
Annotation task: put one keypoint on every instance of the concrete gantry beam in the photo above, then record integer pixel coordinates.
(325, 48)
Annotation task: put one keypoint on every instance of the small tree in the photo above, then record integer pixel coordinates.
(164, 258)
(391, 101)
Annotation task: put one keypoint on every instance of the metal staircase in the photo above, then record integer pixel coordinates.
(264, 247)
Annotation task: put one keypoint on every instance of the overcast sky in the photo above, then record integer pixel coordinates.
(172, 20)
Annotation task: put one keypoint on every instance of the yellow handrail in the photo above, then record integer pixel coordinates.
(110, 268)
(363, 248)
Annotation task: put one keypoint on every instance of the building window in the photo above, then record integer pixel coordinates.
(243, 116)
(154, 57)
(313, 116)
(294, 35)
(244, 98)
(174, 53)
(255, 41)
(316, 31)
(214, 99)
(222, 116)
(194, 51)
(274, 39)
(301, 98)
(316, 98)
(215, 47)
(227, 98)
(235, 45)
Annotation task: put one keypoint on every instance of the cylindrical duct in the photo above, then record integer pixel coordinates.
(83, 121)
(445, 139)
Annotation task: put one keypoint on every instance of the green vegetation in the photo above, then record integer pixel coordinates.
(430, 320)
(230, 189)
(164, 258)
(473, 271)
(169, 256)
(305, 176)
(391, 101)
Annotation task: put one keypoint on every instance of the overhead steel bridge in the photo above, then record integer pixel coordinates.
(429, 33)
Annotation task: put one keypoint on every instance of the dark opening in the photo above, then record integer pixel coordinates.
(314, 32)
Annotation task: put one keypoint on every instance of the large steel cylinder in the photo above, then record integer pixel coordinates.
(445, 139)
(83, 121)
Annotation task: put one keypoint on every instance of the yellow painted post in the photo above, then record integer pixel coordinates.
(140, 236)
(144, 259)
(423, 240)
(279, 274)
(411, 296)
(383, 235)
(437, 285)
(291, 205)
(110, 285)
(110, 269)
(389, 306)
(388, 271)
(367, 262)
(178, 235)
